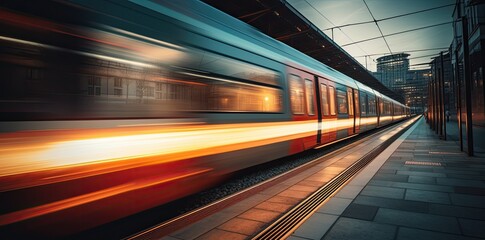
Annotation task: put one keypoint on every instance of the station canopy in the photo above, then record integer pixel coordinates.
(278, 19)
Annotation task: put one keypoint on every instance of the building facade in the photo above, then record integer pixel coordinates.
(414, 89)
(393, 72)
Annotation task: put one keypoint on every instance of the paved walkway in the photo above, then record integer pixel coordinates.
(421, 187)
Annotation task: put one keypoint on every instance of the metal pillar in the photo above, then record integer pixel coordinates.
(458, 98)
(435, 101)
(432, 102)
(428, 104)
(468, 91)
(444, 116)
(431, 96)
(438, 101)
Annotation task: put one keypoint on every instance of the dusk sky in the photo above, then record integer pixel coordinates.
(330, 13)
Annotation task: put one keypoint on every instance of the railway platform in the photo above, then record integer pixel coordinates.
(420, 187)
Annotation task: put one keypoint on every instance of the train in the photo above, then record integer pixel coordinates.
(109, 108)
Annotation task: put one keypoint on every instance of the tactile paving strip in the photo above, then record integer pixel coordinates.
(423, 163)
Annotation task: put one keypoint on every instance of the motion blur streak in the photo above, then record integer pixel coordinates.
(86, 198)
(78, 52)
(63, 152)
(201, 140)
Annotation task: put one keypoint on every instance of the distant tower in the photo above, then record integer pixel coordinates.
(392, 70)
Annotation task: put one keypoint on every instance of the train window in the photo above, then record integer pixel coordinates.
(296, 95)
(226, 66)
(372, 105)
(153, 81)
(94, 86)
(118, 82)
(230, 96)
(324, 96)
(124, 92)
(350, 101)
(206, 61)
(309, 96)
(342, 102)
(331, 91)
(237, 97)
(363, 104)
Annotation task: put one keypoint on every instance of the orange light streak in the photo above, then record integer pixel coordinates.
(77, 150)
(140, 145)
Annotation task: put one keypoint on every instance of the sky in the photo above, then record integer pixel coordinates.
(330, 13)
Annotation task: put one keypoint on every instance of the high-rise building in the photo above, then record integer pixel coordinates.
(415, 89)
(393, 71)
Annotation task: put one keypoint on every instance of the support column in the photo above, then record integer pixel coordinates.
(435, 100)
(443, 107)
(438, 100)
(458, 97)
(468, 92)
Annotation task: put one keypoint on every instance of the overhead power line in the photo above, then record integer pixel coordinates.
(372, 15)
(405, 51)
(382, 35)
(332, 24)
(392, 34)
(388, 18)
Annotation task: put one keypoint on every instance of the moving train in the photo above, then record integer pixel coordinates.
(108, 108)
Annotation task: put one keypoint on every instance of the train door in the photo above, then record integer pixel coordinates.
(363, 111)
(391, 104)
(328, 112)
(350, 110)
(378, 111)
(303, 107)
(344, 115)
(382, 113)
(356, 111)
